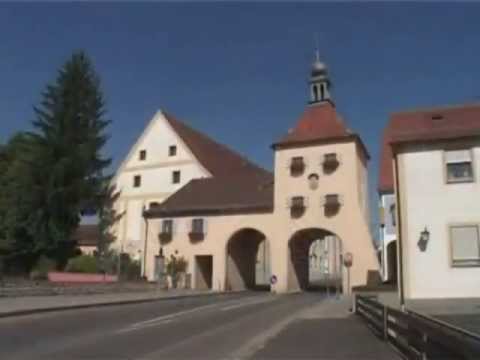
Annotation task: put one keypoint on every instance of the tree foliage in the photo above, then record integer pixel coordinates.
(58, 168)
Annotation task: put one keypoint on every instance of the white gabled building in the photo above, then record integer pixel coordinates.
(166, 156)
(436, 168)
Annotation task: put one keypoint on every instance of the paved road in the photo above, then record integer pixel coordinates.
(191, 328)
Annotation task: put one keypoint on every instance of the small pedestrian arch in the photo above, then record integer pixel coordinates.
(315, 260)
(248, 261)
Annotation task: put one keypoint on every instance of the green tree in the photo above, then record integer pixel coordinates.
(67, 171)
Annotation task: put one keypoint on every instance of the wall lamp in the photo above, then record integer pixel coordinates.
(424, 239)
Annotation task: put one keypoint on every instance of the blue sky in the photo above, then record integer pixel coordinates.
(238, 71)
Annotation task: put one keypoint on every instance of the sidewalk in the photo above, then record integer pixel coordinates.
(37, 304)
(327, 331)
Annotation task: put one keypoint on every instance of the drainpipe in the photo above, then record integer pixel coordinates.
(399, 232)
(145, 246)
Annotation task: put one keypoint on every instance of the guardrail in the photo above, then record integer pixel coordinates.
(417, 336)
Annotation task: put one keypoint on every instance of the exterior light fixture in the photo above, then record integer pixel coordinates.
(424, 239)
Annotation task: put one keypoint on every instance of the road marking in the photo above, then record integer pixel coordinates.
(255, 302)
(164, 319)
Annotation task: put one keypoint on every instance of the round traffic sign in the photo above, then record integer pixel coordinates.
(348, 259)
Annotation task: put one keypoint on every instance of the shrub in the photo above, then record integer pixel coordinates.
(176, 265)
(42, 267)
(83, 264)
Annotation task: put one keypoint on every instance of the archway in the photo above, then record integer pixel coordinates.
(248, 261)
(315, 261)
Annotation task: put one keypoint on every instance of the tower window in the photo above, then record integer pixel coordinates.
(322, 92)
(176, 177)
(315, 93)
(143, 155)
(172, 150)
(137, 181)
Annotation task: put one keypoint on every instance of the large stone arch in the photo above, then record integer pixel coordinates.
(241, 254)
(299, 252)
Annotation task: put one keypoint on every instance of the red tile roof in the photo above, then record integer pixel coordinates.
(319, 122)
(217, 158)
(435, 124)
(236, 194)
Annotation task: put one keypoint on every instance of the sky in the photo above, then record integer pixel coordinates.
(239, 71)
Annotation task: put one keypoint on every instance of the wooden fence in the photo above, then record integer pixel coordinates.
(417, 336)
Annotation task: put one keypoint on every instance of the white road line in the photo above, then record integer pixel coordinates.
(164, 319)
(236, 306)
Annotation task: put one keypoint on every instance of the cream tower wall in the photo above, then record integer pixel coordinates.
(350, 224)
(156, 180)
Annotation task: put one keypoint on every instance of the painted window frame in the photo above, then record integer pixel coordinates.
(450, 243)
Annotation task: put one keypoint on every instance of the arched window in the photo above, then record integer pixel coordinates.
(322, 92)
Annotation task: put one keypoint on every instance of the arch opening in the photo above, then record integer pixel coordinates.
(315, 261)
(392, 262)
(248, 261)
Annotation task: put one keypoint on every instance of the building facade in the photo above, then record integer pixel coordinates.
(436, 164)
(318, 192)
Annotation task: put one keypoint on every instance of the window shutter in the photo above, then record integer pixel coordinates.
(458, 156)
(205, 226)
(465, 243)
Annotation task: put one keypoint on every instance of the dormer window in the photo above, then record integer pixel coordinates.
(330, 162)
(172, 150)
(142, 155)
(167, 230)
(197, 231)
(297, 166)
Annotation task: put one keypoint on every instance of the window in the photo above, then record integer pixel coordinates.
(172, 150)
(465, 245)
(459, 166)
(137, 181)
(297, 202)
(143, 155)
(167, 226)
(197, 226)
(297, 166)
(393, 214)
(176, 177)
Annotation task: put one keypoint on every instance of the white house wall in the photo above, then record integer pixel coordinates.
(156, 180)
(427, 201)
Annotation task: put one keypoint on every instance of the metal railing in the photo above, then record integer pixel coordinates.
(417, 336)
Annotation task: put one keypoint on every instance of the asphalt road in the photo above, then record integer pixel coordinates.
(190, 328)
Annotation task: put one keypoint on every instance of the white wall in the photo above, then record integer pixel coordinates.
(156, 180)
(427, 201)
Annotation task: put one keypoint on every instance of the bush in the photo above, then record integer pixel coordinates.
(176, 265)
(41, 269)
(83, 264)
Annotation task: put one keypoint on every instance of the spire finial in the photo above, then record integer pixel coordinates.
(317, 47)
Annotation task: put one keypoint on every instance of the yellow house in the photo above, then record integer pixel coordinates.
(318, 190)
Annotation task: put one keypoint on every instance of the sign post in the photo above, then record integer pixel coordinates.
(348, 262)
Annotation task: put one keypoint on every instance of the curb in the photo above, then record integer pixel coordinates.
(108, 303)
